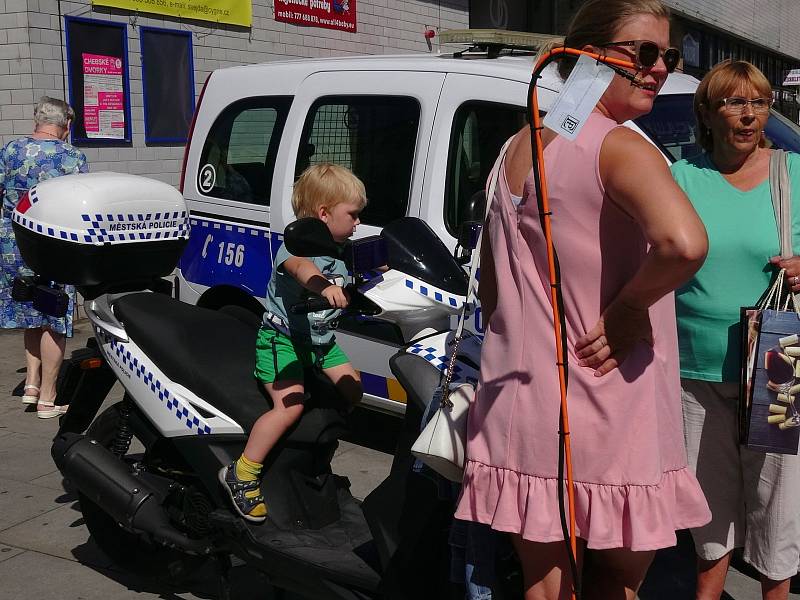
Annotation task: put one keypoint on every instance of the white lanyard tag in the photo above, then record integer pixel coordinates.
(582, 90)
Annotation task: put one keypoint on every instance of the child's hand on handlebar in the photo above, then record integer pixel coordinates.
(336, 296)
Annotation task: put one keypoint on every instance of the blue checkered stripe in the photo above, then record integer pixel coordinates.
(438, 295)
(53, 232)
(32, 195)
(97, 230)
(230, 227)
(433, 356)
(181, 412)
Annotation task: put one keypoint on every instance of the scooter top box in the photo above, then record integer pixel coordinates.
(101, 228)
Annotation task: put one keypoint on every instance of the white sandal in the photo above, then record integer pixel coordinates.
(51, 410)
(29, 398)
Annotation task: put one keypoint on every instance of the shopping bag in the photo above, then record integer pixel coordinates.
(769, 420)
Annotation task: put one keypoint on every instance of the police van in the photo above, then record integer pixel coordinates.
(421, 132)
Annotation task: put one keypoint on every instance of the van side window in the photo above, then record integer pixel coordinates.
(479, 131)
(672, 126)
(375, 137)
(238, 157)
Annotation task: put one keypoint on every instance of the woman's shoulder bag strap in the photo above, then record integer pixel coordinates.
(781, 193)
(494, 175)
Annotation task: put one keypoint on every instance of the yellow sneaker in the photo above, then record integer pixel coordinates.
(250, 505)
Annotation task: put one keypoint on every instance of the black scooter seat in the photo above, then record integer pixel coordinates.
(212, 354)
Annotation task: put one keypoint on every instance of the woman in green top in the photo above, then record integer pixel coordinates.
(754, 497)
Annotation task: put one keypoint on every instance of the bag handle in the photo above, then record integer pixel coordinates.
(494, 176)
(781, 194)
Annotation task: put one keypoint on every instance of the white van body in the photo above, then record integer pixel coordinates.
(228, 259)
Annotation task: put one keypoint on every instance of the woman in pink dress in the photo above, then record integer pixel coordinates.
(626, 237)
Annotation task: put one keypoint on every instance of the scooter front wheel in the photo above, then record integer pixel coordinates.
(132, 552)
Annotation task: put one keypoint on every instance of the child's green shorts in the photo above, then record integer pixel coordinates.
(280, 358)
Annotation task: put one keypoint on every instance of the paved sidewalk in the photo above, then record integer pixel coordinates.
(46, 553)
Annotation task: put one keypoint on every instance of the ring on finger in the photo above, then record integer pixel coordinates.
(795, 280)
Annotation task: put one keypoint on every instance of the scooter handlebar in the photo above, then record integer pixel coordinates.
(309, 306)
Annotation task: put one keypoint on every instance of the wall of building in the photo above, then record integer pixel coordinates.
(32, 65)
(16, 73)
(775, 24)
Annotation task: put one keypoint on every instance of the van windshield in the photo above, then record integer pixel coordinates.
(671, 125)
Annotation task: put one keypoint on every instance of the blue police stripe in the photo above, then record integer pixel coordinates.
(182, 413)
(432, 355)
(207, 258)
(439, 296)
(374, 385)
(97, 234)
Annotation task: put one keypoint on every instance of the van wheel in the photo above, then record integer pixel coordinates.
(132, 552)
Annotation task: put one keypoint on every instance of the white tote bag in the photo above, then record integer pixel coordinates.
(442, 443)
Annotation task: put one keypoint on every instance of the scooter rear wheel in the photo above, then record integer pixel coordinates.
(134, 553)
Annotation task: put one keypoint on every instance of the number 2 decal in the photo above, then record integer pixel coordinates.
(207, 178)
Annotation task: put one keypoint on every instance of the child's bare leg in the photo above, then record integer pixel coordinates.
(242, 477)
(287, 399)
(347, 381)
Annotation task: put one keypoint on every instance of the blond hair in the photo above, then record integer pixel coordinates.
(597, 22)
(723, 80)
(326, 185)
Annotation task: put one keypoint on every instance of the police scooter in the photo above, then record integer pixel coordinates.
(145, 469)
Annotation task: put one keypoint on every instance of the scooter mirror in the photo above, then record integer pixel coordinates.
(468, 234)
(475, 207)
(310, 237)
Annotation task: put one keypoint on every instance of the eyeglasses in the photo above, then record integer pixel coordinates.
(736, 105)
(647, 53)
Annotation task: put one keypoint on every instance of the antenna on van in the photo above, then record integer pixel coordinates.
(490, 43)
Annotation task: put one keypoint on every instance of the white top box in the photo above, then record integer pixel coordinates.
(104, 208)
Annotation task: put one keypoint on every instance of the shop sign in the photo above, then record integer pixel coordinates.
(233, 12)
(792, 77)
(329, 14)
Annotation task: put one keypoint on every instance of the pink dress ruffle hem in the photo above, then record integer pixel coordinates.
(638, 517)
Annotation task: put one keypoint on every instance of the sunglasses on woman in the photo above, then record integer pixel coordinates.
(647, 53)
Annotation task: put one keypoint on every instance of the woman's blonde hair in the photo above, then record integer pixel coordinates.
(597, 22)
(723, 80)
(326, 185)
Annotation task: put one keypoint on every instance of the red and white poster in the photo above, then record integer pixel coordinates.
(103, 96)
(330, 14)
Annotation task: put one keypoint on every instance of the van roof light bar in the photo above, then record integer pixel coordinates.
(492, 41)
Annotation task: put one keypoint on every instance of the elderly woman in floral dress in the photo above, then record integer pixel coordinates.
(25, 162)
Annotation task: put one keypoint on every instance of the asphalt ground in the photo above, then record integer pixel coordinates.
(46, 552)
